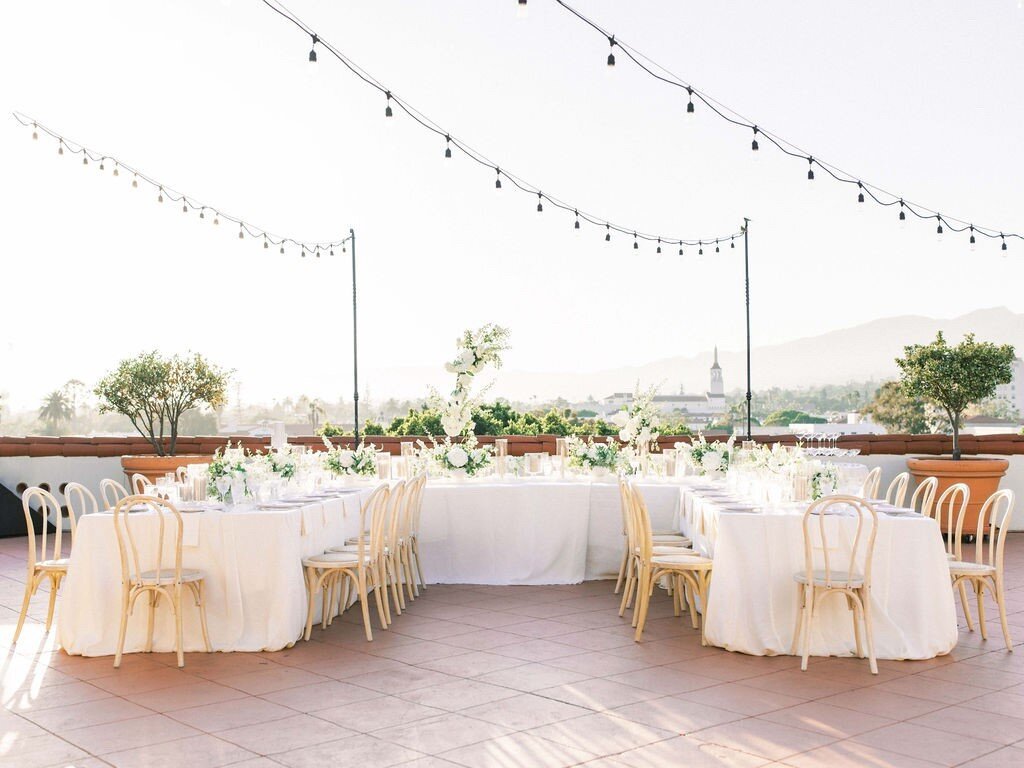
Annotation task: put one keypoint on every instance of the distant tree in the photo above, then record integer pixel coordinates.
(56, 410)
(789, 416)
(372, 428)
(894, 409)
(953, 378)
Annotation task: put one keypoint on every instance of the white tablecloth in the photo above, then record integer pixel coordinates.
(753, 602)
(255, 590)
(529, 531)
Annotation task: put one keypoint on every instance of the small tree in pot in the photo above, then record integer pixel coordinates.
(154, 391)
(953, 378)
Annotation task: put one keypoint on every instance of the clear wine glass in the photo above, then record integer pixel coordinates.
(223, 484)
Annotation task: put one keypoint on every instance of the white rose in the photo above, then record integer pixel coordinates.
(478, 455)
(346, 459)
(645, 435)
(464, 362)
(711, 461)
(620, 418)
(458, 457)
(625, 435)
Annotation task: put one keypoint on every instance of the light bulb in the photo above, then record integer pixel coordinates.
(282, 249)
(1003, 247)
(184, 206)
(972, 240)
(810, 169)
(117, 172)
(716, 247)
(311, 66)
(447, 147)
(939, 230)
(202, 212)
(135, 181)
(522, 10)
(680, 247)
(85, 159)
(860, 194)
(754, 147)
(903, 216)
(611, 54)
(160, 195)
(540, 205)
(265, 243)
(216, 219)
(607, 233)
(658, 250)
(689, 104)
(101, 163)
(241, 235)
(497, 181)
(700, 249)
(35, 133)
(387, 110)
(60, 147)
(576, 226)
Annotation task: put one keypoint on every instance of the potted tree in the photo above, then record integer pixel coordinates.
(953, 378)
(153, 392)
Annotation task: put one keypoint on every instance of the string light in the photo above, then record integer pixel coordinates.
(521, 9)
(117, 172)
(85, 159)
(101, 163)
(732, 242)
(716, 247)
(388, 112)
(267, 245)
(202, 212)
(312, 55)
(60, 147)
(497, 181)
(216, 218)
(576, 226)
(1004, 240)
(731, 116)
(611, 54)
(35, 133)
(636, 245)
(608, 233)
(659, 246)
(540, 206)
(184, 206)
(135, 181)
(860, 194)
(971, 241)
(241, 235)
(160, 195)
(938, 229)
(448, 147)
(700, 249)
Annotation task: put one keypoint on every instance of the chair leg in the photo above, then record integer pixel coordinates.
(1001, 602)
(407, 577)
(703, 581)
(676, 593)
(622, 571)
(855, 611)
(396, 592)
(979, 591)
(627, 590)
(311, 586)
(201, 605)
(179, 635)
(805, 640)
(29, 590)
(382, 598)
(54, 582)
(965, 604)
(123, 629)
(865, 601)
(154, 598)
(416, 558)
(801, 597)
(346, 593)
(691, 598)
(364, 602)
(643, 603)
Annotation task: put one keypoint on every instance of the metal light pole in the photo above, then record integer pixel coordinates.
(355, 340)
(746, 279)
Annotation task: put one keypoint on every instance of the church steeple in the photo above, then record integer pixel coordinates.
(717, 388)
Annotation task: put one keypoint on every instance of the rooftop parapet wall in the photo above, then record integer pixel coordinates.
(869, 445)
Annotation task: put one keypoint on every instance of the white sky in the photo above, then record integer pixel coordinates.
(921, 97)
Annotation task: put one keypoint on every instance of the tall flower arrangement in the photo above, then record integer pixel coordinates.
(476, 351)
(639, 422)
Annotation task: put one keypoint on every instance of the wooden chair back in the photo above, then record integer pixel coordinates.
(869, 489)
(370, 514)
(896, 493)
(152, 557)
(641, 525)
(949, 510)
(80, 501)
(139, 483)
(839, 570)
(923, 498)
(50, 545)
(181, 474)
(112, 492)
(993, 523)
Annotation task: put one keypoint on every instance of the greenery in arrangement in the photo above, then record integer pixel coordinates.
(824, 481)
(226, 462)
(467, 457)
(586, 454)
(954, 377)
(345, 461)
(154, 391)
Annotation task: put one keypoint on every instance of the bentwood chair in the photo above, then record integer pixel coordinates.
(145, 570)
(923, 499)
(181, 474)
(112, 492)
(389, 554)
(689, 574)
(947, 512)
(896, 493)
(827, 572)
(414, 536)
(660, 539)
(362, 570)
(869, 489)
(413, 499)
(139, 483)
(985, 571)
(80, 500)
(44, 562)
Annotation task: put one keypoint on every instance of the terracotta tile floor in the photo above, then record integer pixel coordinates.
(511, 677)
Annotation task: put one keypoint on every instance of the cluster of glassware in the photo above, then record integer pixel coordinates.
(824, 444)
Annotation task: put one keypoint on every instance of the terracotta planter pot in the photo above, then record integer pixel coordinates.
(982, 476)
(153, 466)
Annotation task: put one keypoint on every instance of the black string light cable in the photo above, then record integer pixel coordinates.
(188, 203)
(864, 189)
(393, 102)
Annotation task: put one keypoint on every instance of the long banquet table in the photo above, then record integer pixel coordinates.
(255, 589)
(543, 531)
(753, 601)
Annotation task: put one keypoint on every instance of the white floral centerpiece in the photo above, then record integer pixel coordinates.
(706, 458)
(230, 463)
(464, 459)
(599, 459)
(824, 480)
(361, 462)
(639, 423)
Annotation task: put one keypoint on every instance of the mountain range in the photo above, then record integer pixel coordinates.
(862, 353)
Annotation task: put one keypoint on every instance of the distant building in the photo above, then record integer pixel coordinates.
(990, 425)
(696, 409)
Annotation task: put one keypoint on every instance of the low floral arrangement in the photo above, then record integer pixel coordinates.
(466, 457)
(706, 457)
(227, 462)
(344, 461)
(589, 455)
(639, 422)
(282, 464)
(778, 459)
(824, 481)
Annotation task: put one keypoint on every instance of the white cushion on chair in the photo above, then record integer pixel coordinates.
(967, 568)
(333, 560)
(663, 550)
(694, 561)
(53, 565)
(672, 538)
(839, 579)
(167, 576)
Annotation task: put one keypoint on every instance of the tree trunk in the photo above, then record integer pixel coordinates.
(954, 419)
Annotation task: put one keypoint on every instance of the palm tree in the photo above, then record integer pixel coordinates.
(56, 410)
(316, 410)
